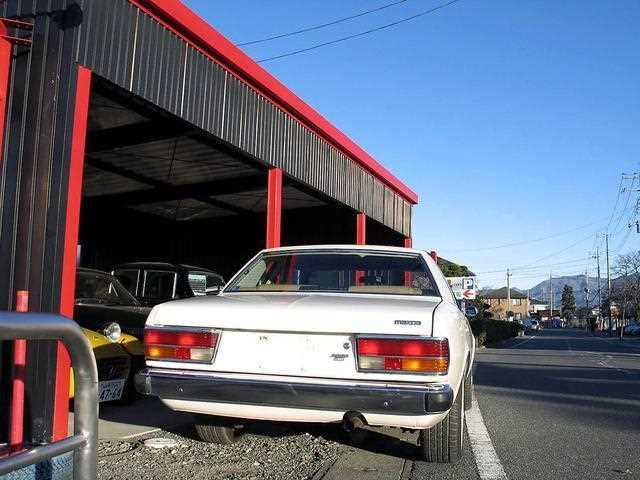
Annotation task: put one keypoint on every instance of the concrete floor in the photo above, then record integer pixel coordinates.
(145, 415)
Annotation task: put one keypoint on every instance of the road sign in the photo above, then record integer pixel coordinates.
(464, 288)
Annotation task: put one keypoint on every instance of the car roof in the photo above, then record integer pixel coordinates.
(164, 265)
(377, 248)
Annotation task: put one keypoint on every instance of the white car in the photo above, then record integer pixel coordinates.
(362, 335)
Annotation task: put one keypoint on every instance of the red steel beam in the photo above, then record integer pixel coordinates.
(185, 23)
(72, 225)
(361, 229)
(274, 207)
(361, 239)
(408, 243)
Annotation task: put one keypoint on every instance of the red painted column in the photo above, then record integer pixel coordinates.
(274, 207)
(5, 67)
(361, 229)
(408, 243)
(16, 415)
(361, 239)
(72, 225)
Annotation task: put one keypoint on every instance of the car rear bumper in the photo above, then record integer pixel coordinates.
(375, 398)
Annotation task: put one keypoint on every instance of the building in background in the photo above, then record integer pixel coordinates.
(536, 306)
(516, 307)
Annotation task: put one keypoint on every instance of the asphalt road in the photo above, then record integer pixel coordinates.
(559, 405)
(563, 404)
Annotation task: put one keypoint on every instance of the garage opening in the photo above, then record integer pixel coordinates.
(158, 189)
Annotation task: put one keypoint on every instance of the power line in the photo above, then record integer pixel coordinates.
(546, 266)
(526, 242)
(569, 270)
(615, 207)
(559, 251)
(361, 34)
(626, 204)
(322, 25)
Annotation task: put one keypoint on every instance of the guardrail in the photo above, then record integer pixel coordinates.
(83, 442)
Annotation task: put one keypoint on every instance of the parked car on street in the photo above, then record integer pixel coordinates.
(157, 282)
(531, 325)
(114, 323)
(358, 335)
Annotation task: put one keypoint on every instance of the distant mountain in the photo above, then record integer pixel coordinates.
(577, 282)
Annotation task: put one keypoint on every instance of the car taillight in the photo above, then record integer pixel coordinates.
(398, 355)
(180, 345)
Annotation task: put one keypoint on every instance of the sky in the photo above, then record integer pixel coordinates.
(512, 120)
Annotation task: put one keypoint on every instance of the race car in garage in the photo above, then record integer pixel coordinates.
(156, 282)
(358, 335)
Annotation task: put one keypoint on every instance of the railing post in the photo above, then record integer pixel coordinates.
(83, 443)
(16, 422)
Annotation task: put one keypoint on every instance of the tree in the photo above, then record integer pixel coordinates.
(626, 289)
(450, 269)
(568, 302)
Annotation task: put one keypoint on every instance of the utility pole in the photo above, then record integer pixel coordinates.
(508, 293)
(586, 295)
(550, 297)
(606, 236)
(597, 257)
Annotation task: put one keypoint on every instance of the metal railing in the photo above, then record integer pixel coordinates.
(83, 442)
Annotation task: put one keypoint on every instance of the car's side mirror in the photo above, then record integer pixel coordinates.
(471, 312)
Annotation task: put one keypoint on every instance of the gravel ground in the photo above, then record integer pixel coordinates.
(263, 452)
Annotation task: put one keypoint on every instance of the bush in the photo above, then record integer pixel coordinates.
(491, 331)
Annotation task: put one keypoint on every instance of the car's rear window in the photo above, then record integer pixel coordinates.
(337, 271)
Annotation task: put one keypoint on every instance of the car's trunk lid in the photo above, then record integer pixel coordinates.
(311, 335)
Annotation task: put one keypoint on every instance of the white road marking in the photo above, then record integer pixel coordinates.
(523, 341)
(487, 461)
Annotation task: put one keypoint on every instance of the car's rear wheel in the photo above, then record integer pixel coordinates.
(216, 429)
(443, 442)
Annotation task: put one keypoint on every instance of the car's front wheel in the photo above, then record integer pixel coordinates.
(215, 429)
(443, 442)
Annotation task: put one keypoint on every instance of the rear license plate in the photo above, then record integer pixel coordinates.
(110, 390)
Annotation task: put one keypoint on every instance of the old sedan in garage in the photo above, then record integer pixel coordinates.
(358, 335)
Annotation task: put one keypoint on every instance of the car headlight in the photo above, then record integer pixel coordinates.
(113, 332)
